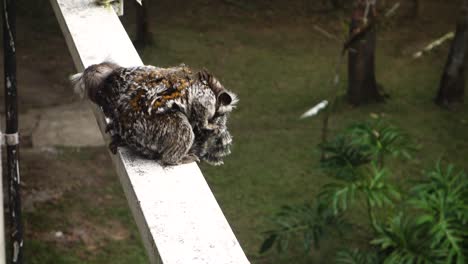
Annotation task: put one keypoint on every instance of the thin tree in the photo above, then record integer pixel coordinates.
(362, 85)
(415, 8)
(452, 84)
(143, 35)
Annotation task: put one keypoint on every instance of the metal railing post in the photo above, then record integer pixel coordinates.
(11, 110)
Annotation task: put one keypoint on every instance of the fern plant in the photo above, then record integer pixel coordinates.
(356, 256)
(343, 159)
(438, 232)
(429, 227)
(305, 222)
(381, 139)
(349, 161)
(443, 201)
(370, 186)
(402, 241)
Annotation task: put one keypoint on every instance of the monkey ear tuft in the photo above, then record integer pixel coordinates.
(224, 98)
(78, 84)
(203, 75)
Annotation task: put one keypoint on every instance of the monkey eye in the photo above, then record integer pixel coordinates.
(224, 98)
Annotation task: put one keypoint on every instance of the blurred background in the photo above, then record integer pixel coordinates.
(280, 58)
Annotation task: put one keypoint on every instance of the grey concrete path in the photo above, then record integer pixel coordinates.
(66, 125)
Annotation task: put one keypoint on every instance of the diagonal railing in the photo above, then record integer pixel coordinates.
(176, 213)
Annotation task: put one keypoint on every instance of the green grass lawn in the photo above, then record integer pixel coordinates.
(279, 69)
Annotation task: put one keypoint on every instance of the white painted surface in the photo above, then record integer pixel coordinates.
(174, 208)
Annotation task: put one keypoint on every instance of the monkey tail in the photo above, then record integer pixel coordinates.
(78, 84)
(89, 82)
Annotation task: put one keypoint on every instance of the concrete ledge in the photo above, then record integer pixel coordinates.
(177, 215)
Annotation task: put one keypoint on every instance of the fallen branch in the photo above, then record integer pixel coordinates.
(434, 44)
(325, 33)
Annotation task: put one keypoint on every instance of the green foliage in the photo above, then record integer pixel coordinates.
(308, 222)
(361, 143)
(443, 201)
(356, 256)
(404, 242)
(343, 158)
(437, 233)
(370, 185)
(381, 139)
(430, 227)
(352, 157)
(348, 158)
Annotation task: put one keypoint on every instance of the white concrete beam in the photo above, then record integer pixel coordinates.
(176, 213)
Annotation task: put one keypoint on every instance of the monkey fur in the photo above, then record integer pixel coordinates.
(168, 114)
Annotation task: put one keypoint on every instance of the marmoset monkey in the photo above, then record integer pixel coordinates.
(168, 114)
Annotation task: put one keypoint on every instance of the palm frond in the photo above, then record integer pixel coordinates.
(371, 185)
(404, 242)
(382, 139)
(343, 158)
(356, 256)
(305, 222)
(442, 199)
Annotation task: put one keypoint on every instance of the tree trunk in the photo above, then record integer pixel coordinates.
(452, 84)
(415, 8)
(143, 36)
(362, 85)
